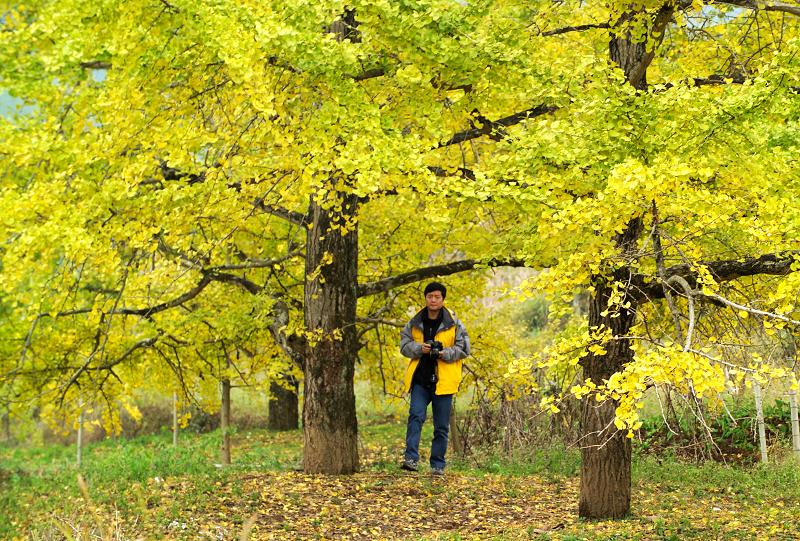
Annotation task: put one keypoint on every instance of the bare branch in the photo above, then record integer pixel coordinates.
(747, 309)
(177, 301)
(662, 272)
(380, 321)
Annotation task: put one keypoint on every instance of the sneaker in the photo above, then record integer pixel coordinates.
(437, 472)
(409, 465)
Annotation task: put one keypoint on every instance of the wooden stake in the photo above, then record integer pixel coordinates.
(79, 442)
(175, 419)
(225, 421)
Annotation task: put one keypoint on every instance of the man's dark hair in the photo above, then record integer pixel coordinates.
(436, 286)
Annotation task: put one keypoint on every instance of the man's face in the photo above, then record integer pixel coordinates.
(434, 300)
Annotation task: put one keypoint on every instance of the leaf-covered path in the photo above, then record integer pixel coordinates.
(380, 505)
(145, 489)
(371, 506)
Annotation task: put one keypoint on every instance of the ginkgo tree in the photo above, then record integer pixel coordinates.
(663, 188)
(642, 151)
(170, 187)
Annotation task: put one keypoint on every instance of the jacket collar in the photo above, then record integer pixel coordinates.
(447, 319)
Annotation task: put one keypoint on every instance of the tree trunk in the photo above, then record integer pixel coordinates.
(225, 422)
(7, 425)
(330, 428)
(456, 437)
(606, 451)
(283, 406)
(762, 434)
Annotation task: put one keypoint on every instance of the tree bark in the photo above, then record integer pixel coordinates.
(330, 428)
(225, 422)
(606, 451)
(283, 406)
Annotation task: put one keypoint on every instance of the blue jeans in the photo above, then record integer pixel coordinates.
(420, 398)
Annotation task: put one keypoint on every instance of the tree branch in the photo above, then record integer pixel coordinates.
(446, 269)
(492, 127)
(769, 6)
(244, 283)
(578, 28)
(747, 309)
(662, 19)
(777, 264)
(147, 342)
(255, 263)
(291, 216)
(96, 65)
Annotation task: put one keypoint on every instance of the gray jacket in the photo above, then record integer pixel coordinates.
(413, 350)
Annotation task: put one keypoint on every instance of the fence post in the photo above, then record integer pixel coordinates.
(225, 421)
(79, 441)
(174, 419)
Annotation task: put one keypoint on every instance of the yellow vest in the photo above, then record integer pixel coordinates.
(449, 373)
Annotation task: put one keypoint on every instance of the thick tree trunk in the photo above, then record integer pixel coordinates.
(225, 422)
(7, 425)
(330, 429)
(283, 406)
(606, 451)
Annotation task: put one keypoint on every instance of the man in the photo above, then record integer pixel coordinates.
(436, 342)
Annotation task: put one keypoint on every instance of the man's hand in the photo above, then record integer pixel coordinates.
(426, 348)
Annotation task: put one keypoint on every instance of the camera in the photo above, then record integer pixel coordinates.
(436, 348)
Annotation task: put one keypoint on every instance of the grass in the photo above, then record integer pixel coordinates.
(174, 492)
